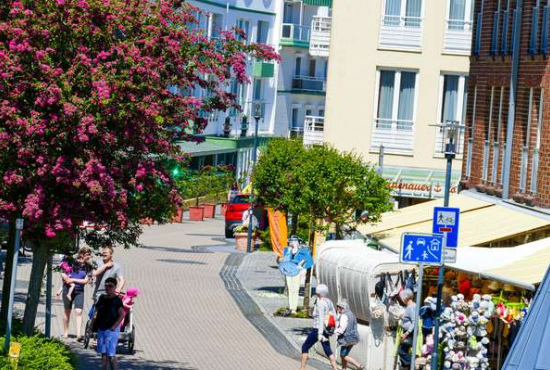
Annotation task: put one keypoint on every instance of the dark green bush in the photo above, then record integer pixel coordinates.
(40, 353)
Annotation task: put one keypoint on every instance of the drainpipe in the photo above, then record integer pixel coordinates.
(512, 103)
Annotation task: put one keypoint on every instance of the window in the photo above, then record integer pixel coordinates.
(452, 108)
(321, 112)
(396, 100)
(308, 112)
(461, 14)
(244, 25)
(257, 93)
(262, 32)
(312, 67)
(403, 13)
(216, 25)
(298, 66)
(295, 114)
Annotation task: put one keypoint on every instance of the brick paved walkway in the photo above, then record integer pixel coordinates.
(186, 317)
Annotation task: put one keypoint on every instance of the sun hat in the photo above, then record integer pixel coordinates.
(133, 292)
(343, 304)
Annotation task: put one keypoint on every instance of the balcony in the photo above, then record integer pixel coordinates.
(263, 70)
(320, 36)
(296, 132)
(395, 136)
(313, 130)
(295, 35)
(309, 84)
(400, 33)
(458, 37)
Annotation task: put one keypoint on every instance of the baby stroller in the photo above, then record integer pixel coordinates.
(127, 335)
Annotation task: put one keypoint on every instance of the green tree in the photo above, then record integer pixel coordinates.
(274, 177)
(208, 181)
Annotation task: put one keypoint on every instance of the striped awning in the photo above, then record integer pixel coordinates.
(318, 2)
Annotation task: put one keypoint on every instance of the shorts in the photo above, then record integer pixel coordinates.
(76, 302)
(107, 341)
(312, 338)
(345, 350)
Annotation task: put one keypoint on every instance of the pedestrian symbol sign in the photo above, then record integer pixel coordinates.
(422, 248)
(446, 221)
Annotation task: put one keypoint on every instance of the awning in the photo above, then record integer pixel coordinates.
(204, 148)
(522, 266)
(318, 2)
(480, 223)
(529, 269)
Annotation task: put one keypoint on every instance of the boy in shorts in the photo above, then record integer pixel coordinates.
(109, 313)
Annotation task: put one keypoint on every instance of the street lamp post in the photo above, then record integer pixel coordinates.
(18, 228)
(257, 114)
(450, 152)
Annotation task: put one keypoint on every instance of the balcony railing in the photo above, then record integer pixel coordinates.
(308, 83)
(294, 35)
(320, 36)
(295, 132)
(313, 130)
(458, 37)
(398, 32)
(535, 171)
(396, 136)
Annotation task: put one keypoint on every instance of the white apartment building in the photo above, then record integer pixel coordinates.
(304, 48)
(397, 69)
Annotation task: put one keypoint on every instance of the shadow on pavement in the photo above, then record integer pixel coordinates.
(174, 250)
(183, 262)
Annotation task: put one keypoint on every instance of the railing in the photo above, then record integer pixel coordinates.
(295, 32)
(398, 32)
(314, 127)
(458, 37)
(320, 36)
(308, 83)
(523, 169)
(486, 149)
(296, 131)
(469, 159)
(494, 170)
(394, 135)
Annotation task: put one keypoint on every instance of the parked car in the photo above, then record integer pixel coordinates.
(234, 213)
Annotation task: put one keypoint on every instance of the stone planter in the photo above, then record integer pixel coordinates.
(529, 200)
(223, 208)
(241, 239)
(209, 210)
(498, 192)
(465, 184)
(196, 213)
(519, 198)
(178, 216)
(491, 190)
(481, 188)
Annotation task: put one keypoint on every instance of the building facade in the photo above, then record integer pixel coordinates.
(302, 76)
(508, 137)
(398, 68)
(227, 135)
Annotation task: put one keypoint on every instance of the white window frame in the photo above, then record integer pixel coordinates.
(396, 91)
(468, 15)
(248, 31)
(403, 12)
(460, 111)
(257, 35)
(211, 27)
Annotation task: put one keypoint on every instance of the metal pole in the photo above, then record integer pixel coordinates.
(250, 207)
(381, 160)
(18, 228)
(418, 302)
(48, 325)
(449, 155)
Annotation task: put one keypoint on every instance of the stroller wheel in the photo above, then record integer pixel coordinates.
(131, 340)
(87, 335)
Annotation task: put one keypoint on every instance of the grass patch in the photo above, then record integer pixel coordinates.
(299, 314)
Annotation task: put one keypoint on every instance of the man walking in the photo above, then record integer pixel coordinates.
(107, 268)
(109, 314)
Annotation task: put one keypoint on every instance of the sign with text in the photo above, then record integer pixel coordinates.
(446, 221)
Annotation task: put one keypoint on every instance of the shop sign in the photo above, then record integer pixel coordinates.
(412, 190)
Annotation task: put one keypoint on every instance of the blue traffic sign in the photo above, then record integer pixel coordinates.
(446, 222)
(422, 248)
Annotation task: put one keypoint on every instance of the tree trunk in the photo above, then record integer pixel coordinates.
(338, 231)
(39, 260)
(307, 288)
(8, 266)
(294, 230)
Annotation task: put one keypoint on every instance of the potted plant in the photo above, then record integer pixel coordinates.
(178, 215)
(241, 237)
(196, 213)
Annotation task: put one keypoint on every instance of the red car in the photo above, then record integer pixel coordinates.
(234, 213)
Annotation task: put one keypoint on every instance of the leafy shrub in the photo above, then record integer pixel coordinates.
(40, 353)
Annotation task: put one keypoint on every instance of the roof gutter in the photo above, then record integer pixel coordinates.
(512, 103)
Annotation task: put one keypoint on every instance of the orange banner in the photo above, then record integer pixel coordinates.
(278, 230)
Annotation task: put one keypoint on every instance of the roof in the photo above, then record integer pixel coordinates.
(318, 2)
(203, 148)
(532, 345)
(481, 222)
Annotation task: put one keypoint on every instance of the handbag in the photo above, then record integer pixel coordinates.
(378, 309)
(395, 313)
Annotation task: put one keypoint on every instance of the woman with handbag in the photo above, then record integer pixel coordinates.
(407, 325)
(323, 327)
(348, 335)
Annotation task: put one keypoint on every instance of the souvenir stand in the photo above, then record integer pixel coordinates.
(353, 271)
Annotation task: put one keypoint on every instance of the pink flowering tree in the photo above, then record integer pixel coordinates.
(93, 94)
